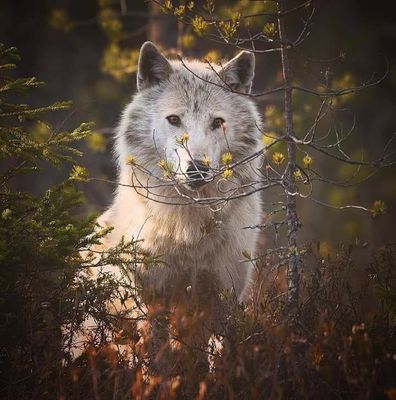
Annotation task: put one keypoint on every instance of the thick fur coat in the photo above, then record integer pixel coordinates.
(187, 189)
(193, 230)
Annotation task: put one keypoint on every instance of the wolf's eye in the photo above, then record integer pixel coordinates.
(217, 123)
(174, 120)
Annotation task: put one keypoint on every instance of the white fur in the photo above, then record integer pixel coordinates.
(176, 231)
(194, 240)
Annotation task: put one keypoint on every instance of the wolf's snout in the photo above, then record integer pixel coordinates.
(197, 172)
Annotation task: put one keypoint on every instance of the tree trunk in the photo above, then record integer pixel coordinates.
(289, 185)
(162, 28)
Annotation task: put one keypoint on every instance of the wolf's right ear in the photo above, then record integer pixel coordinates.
(153, 67)
(239, 72)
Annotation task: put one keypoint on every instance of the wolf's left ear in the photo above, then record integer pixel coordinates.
(238, 73)
(153, 67)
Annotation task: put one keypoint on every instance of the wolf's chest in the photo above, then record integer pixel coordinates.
(185, 239)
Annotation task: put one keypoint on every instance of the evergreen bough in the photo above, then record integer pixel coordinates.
(40, 239)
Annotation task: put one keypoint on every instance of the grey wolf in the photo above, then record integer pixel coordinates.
(188, 123)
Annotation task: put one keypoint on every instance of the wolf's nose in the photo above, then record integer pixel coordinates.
(196, 172)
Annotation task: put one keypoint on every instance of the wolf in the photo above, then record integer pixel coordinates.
(187, 182)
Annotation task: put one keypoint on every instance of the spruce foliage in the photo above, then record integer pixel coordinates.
(39, 239)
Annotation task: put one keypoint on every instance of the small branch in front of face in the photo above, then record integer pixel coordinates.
(233, 193)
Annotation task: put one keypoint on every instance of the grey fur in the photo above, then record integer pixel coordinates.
(197, 102)
(153, 67)
(238, 73)
(180, 233)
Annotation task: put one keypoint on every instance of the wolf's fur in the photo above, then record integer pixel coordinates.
(198, 243)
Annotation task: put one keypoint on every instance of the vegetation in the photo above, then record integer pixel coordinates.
(39, 240)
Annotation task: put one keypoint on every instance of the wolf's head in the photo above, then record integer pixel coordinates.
(190, 119)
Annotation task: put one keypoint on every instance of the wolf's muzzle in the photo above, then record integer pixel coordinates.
(197, 173)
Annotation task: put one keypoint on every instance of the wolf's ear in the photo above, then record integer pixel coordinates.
(153, 67)
(238, 73)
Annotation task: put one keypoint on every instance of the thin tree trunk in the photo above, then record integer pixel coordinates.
(291, 206)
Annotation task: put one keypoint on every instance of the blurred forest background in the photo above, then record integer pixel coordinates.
(86, 51)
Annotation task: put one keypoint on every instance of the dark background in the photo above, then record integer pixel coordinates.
(70, 60)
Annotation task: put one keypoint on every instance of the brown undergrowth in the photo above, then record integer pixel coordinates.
(342, 345)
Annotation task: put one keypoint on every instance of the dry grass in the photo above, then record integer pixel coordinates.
(343, 345)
